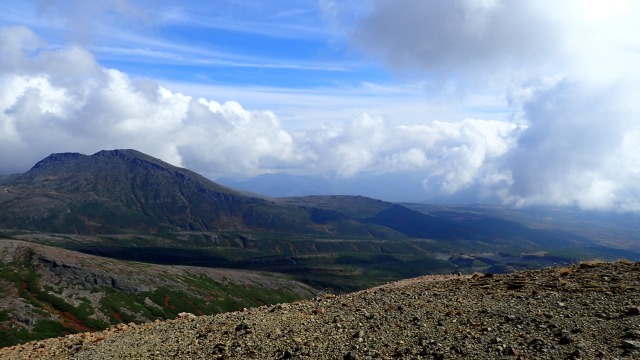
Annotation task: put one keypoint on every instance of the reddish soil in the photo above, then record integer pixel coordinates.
(167, 299)
(71, 321)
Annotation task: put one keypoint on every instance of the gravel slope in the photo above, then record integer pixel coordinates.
(582, 312)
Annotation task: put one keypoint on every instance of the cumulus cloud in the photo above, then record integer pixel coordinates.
(450, 155)
(56, 100)
(568, 69)
(581, 147)
(60, 100)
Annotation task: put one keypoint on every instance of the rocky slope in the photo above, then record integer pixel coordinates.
(47, 291)
(586, 311)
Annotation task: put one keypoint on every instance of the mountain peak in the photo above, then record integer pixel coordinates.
(64, 165)
(57, 158)
(127, 154)
(128, 185)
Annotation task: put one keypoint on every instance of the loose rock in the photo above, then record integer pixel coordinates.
(460, 318)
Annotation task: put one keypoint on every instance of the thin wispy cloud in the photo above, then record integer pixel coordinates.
(191, 56)
(289, 24)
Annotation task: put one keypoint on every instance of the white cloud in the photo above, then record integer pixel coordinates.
(47, 107)
(15, 46)
(460, 153)
(450, 155)
(462, 41)
(569, 70)
(50, 108)
(580, 147)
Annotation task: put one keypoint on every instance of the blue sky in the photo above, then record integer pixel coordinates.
(258, 53)
(283, 43)
(524, 102)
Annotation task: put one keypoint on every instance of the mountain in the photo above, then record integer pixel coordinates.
(394, 187)
(48, 291)
(586, 311)
(124, 191)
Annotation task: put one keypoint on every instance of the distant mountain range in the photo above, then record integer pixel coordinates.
(125, 191)
(396, 187)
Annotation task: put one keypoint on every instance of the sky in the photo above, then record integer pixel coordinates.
(523, 102)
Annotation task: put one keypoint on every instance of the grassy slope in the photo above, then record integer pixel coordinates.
(49, 292)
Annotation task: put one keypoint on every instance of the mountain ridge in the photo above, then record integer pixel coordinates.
(53, 164)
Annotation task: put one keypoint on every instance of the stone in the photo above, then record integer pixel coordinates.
(633, 310)
(351, 355)
(513, 351)
(632, 345)
(318, 311)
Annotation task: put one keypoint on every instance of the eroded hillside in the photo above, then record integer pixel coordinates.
(47, 291)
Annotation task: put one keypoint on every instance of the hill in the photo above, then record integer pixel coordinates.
(583, 311)
(121, 190)
(47, 291)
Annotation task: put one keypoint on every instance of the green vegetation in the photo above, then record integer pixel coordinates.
(31, 291)
(341, 264)
(166, 303)
(23, 277)
(59, 317)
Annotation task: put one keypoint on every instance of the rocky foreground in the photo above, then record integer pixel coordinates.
(586, 311)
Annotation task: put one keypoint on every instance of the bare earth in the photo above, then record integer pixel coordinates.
(583, 312)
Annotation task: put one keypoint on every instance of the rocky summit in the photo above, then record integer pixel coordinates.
(586, 311)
